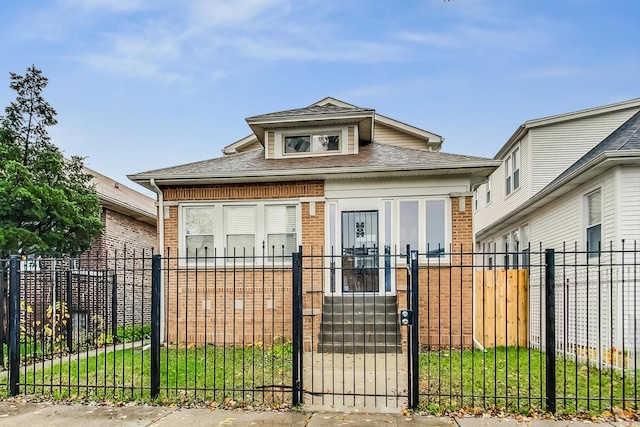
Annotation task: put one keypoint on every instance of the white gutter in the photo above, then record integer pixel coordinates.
(152, 182)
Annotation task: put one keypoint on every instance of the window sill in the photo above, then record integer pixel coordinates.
(507, 196)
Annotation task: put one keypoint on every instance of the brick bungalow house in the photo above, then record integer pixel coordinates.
(352, 187)
(110, 272)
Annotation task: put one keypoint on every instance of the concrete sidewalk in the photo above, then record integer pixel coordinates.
(26, 414)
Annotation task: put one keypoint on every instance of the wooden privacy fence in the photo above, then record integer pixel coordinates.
(502, 307)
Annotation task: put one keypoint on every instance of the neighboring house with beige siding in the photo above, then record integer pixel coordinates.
(578, 193)
(341, 181)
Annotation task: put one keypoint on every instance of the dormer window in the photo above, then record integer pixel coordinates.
(311, 143)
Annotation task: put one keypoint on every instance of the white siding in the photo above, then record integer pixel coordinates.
(629, 204)
(563, 220)
(381, 188)
(556, 147)
(501, 204)
(391, 136)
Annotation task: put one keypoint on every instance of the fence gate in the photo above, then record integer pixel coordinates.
(353, 350)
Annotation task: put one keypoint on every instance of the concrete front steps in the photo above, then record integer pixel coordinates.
(360, 324)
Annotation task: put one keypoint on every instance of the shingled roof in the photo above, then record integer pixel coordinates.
(374, 157)
(311, 110)
(123, 199)
(625, 137)
(621, 147)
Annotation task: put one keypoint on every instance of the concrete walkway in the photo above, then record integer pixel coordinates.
(25, 414)
(350, 382)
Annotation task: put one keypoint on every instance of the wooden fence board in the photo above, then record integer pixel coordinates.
(501, 307)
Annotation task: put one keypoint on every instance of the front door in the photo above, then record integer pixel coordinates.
(360, 252)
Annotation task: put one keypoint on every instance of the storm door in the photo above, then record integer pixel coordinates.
(360, 251)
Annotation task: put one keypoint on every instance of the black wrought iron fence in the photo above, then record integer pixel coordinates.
(533, 329)
(539, 329)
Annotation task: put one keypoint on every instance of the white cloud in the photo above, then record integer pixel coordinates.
(231, 13)
(107, 5)
(468, 37)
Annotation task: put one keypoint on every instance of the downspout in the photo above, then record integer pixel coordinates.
(152, 182)
(476, 343)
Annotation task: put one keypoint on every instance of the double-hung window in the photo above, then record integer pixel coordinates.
(512, 171)
(255, 229)
(488, 192)
(199, 224)
(240, 230)
(593, 203)
(280, 229)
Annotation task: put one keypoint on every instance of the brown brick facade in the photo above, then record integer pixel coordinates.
(243, 303)
(446, 290)
(239, 303)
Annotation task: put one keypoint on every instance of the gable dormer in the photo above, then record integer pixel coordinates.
(318, 130)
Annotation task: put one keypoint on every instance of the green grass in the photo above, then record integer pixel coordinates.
(508, 378)
(186, 375)
(514, 379)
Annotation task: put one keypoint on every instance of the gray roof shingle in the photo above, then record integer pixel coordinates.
(371, 155)
(311, 110)
(625, 137)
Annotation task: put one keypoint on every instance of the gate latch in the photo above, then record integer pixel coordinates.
(406, 317)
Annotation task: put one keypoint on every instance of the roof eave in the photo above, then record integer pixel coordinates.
(259, 125)
(591, 169)
(565, 117)
(470, 168)
(125, 209)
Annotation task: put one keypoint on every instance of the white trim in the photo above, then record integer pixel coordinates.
(544, 121)
(279, 135)
(510, 171)
(356, 139)
(233, 148)
(585, 217)
(311, 199)
(219, 225)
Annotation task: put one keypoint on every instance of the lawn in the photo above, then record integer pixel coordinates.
(508, 378)
(245, 375)
(514, 378)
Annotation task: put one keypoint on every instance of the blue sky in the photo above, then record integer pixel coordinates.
(144, 84)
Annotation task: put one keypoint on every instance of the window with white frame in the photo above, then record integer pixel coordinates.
(593, 203)
(423, 226)
(312, 143)
(280, 229)
(512, 171)
(199, 231)
(475, 200)
(488, 191)
(241, 229)
(516, 248)
(408, 214)
(435, 228)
